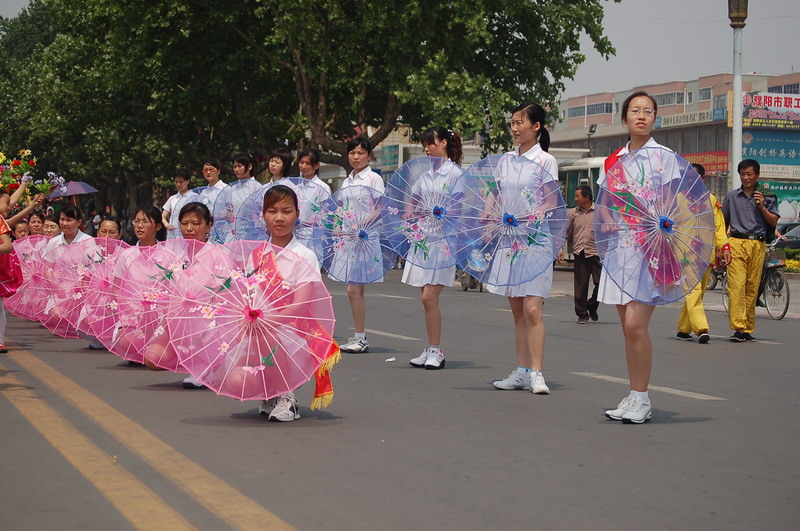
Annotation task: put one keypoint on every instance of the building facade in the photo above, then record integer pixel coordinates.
(694, 120)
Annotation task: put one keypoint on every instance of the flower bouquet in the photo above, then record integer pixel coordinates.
(14, 171)
(46, 186)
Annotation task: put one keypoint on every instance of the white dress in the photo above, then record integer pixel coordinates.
(542, 284)
(417, 275)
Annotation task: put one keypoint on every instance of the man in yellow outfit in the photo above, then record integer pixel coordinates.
(749, 217)
(693, 315)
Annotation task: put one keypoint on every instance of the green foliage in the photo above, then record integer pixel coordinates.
(120, 94)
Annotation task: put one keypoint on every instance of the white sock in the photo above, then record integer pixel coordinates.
(434, 347)
(523, 370)
(640, 394)
(361, 335)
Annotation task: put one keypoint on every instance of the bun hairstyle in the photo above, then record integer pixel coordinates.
(277, 193)
(196, 208)
(312, 154)
(454, 150)
(153, 213)
(535, 113)
(244, 160)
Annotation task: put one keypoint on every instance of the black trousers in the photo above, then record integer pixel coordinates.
(586, 267)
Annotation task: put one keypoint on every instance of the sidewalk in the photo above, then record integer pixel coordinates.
(563, 287)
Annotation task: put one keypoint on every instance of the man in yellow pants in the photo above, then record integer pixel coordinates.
(693, 315)
(750, 217)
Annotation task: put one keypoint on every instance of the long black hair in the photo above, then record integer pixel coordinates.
(535, 113)
(454, 150)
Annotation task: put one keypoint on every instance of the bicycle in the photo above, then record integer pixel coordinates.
(773, 291)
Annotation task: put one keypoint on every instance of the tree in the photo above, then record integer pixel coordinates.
(121, 93)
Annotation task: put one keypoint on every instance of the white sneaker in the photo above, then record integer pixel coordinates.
(355, 344)
(616, 414)
(435, 359)
(266, 406)
(285, 409)
(191, 383)
(638, 412)
(420, 360)
(538, 387)
(515, 380)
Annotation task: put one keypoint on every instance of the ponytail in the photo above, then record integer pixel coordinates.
(454, 150)
(535, 113)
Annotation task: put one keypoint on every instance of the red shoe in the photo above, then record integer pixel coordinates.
(3, 348)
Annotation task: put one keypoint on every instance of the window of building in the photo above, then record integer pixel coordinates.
(720, 101)
(777, 89)
(598, 108)
(704, 94)
(794, 88)
(616, 107)
(679, 98)
(665, 99)
(689, 97)
(576, 112)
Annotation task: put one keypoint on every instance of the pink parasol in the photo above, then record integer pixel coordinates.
(71, 270)
(143, 295)
(252, 321)
(25, 302)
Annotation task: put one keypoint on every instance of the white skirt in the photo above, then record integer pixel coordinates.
(539, 287)
(627, 262)
(417, 276)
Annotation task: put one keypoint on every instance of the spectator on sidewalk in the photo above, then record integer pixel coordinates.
(580, 233)
(693, 314)
(749, 216)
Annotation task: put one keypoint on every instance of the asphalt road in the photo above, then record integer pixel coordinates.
(88, 443)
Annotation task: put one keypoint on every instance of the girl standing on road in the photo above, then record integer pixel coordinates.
(442, 143)
(359, 151)
(526, 300)
(639, 116)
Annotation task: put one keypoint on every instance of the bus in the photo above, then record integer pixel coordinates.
(577, 172)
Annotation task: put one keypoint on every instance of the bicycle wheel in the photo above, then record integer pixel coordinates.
(724, 287)
(776, 294)
(712, 280)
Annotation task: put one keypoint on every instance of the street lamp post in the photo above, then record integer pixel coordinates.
(737, 13)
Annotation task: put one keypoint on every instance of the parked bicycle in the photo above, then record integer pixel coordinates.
(773, 291)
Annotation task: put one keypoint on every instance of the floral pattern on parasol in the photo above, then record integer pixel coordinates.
(513, 220)
(251, 321)
(654, 225)
(420, 211)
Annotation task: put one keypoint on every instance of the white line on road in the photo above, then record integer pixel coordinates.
(508, 310)
(387, 334)
(670, 390)
(759, 341)
(394, 296)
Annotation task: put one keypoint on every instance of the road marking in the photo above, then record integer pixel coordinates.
(137, 503)
(509, 311)
(394, 296)
(211, 491)
(670, 390)
(387, 334)
(759, 341)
